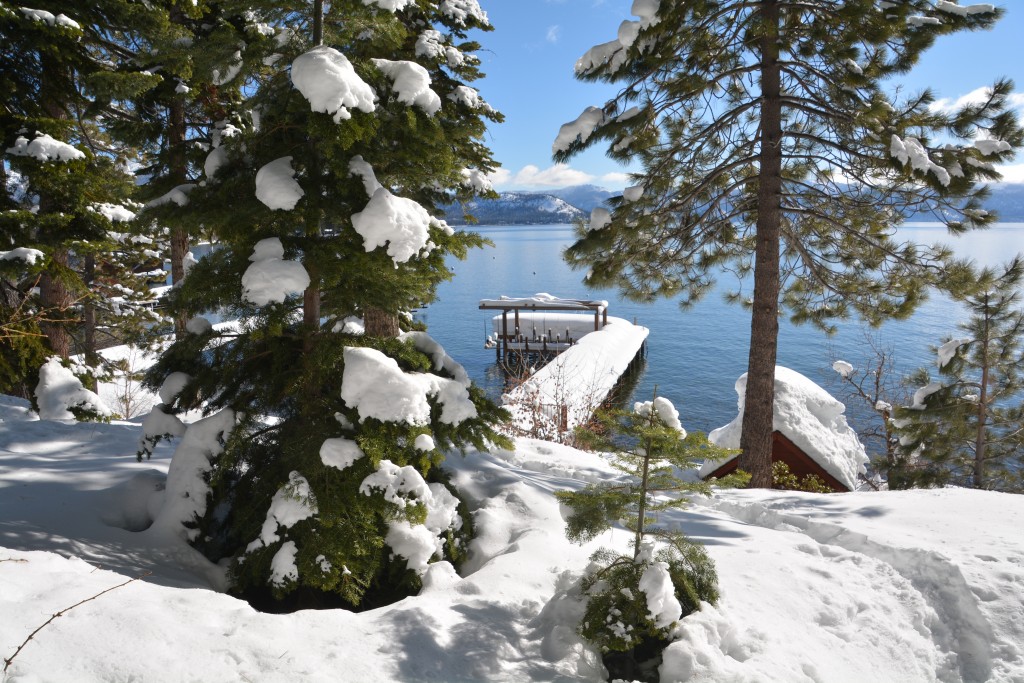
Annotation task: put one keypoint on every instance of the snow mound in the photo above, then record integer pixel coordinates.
(809, 417)
(909, 586)
(59, 391)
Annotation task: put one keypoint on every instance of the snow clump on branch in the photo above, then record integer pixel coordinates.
(276, 186)
(328, 81)
(271, 278)
(411, 82)
(378, 388)
(44, 148)
(581, 128)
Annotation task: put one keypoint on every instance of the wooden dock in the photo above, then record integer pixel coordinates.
(542, 324)
(582, 367)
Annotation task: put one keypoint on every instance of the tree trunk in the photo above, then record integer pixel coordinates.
(55, 300)
(979, 439)
(756, 437)
(54, 297)
(642, 508)
(380, 323)
(177, 164)
(92, 357)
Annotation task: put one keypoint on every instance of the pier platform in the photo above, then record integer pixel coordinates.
(570, 355)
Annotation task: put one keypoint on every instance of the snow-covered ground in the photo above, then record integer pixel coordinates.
(893, 587)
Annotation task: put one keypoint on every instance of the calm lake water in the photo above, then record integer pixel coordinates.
(695, 356)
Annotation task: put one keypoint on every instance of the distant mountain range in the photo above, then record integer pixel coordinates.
(568, 204)
(516, 208)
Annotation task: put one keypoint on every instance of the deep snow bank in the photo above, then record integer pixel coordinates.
(914, 586)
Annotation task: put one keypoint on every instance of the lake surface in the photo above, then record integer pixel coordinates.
(695, 356)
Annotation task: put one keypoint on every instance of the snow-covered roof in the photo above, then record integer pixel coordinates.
(808, 416)
(544, 301)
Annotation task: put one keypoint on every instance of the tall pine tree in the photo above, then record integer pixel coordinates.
(63, 78)
(322, 198)
(197, 50)
(767, 145)
(966, 427)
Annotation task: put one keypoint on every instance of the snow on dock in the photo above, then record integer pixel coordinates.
(586, 352)
(564, 393)
(542, 324)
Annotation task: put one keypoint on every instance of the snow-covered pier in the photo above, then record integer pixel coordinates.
(596, 351)
(542, 324)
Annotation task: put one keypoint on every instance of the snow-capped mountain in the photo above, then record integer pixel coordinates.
(516, 208)
(567, 204)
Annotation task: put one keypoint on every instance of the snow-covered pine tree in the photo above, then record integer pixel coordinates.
(319, 465)
(63, 79)
(768, 144)
(200, 54)
(633, 601)
(966, 427)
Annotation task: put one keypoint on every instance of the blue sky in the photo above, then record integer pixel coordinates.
(529, 61)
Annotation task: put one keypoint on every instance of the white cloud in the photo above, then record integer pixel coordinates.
(616, 180)
(500, 176)
(553, 33)
(1012, 173)
(559, 175)
(976, 96)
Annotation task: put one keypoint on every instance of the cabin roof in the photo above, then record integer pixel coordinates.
(784, 450)
(811, 419)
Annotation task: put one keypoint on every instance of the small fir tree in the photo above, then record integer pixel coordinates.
(634, 601)
(966, 427)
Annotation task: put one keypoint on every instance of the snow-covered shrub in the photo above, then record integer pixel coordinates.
(634, 605)
(60, 395)
(634, 601)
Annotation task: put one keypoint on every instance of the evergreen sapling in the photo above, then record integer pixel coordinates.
(634, 601)
(966, 427)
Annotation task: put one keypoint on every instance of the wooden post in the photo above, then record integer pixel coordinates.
(504, 333)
